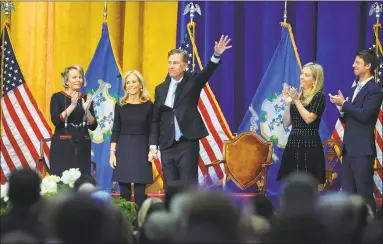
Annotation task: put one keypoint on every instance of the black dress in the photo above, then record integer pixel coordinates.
(131, 128)
(304, 150)
(70, 146)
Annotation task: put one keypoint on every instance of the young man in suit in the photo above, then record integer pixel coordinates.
(360, 115)
(177, 125)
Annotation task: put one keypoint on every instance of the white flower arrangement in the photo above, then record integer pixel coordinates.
(70, 176)
(50, 184)
(4, 192)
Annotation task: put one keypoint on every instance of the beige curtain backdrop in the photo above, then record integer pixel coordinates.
(48, 36)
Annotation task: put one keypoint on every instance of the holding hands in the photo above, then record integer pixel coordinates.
(153, 154)
(112, 160)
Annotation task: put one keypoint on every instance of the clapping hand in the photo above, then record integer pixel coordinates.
(74, 98)
(338, 100)
(293, 93)
(285, 94)
(221, 46)
(86, 105)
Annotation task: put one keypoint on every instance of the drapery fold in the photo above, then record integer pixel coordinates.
(48, 36)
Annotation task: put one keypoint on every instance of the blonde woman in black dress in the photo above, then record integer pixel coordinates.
(130, 135)
(304, 150)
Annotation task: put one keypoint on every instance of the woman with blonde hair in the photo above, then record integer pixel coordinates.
(72, 114)
(130, 138)
(304, 150)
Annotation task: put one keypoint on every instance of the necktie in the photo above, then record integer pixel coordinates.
(359, 86)
(170, 102)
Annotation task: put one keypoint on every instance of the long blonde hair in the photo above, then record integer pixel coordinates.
(318, 85)
(144, 94)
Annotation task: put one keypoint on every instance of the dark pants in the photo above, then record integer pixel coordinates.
(358, 177)
(180, 162)
(139, 192)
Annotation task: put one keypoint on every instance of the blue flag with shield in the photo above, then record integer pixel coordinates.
(104, 83)
(264, 115)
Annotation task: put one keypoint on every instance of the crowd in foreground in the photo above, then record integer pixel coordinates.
(187, 215)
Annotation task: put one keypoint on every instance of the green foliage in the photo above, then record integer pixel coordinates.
(128, 208)
(3, 208)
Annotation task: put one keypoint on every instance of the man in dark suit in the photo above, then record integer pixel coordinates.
(360, 115)
(177, 125)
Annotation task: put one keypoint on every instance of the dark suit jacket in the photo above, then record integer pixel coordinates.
(360, 118)
(185, 108)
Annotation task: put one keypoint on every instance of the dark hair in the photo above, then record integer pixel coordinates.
(263, 206)
(179, 51)
(84, 179)
(369, 57)
(24, 187)
(174, 188)
(81, 220)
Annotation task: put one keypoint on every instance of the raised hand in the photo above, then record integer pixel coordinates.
(221, 46)
(86, 105)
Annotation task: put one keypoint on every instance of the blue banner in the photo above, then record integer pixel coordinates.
(104, 83)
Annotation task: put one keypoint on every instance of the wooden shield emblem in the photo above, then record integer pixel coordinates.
(245, 157)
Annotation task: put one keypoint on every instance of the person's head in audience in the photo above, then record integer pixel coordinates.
(82, 219)
(83, 180)
(149, 206)
(345, 217)
(174, 188)
(299, 195)
(297, 229)
(160, 227)
(206, 217)
(18, 236)
(24, 188)
(262, 206)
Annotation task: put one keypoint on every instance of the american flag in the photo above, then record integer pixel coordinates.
(211, 146)
(22, 123)
(339, 127)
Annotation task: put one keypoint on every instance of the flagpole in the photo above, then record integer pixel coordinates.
(5, 6)
(377, 9)
(192, 9)
(285, 13)
(105, 11)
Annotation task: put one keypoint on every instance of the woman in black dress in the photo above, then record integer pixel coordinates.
(130, 138)
(72, 114)
(304, 150)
